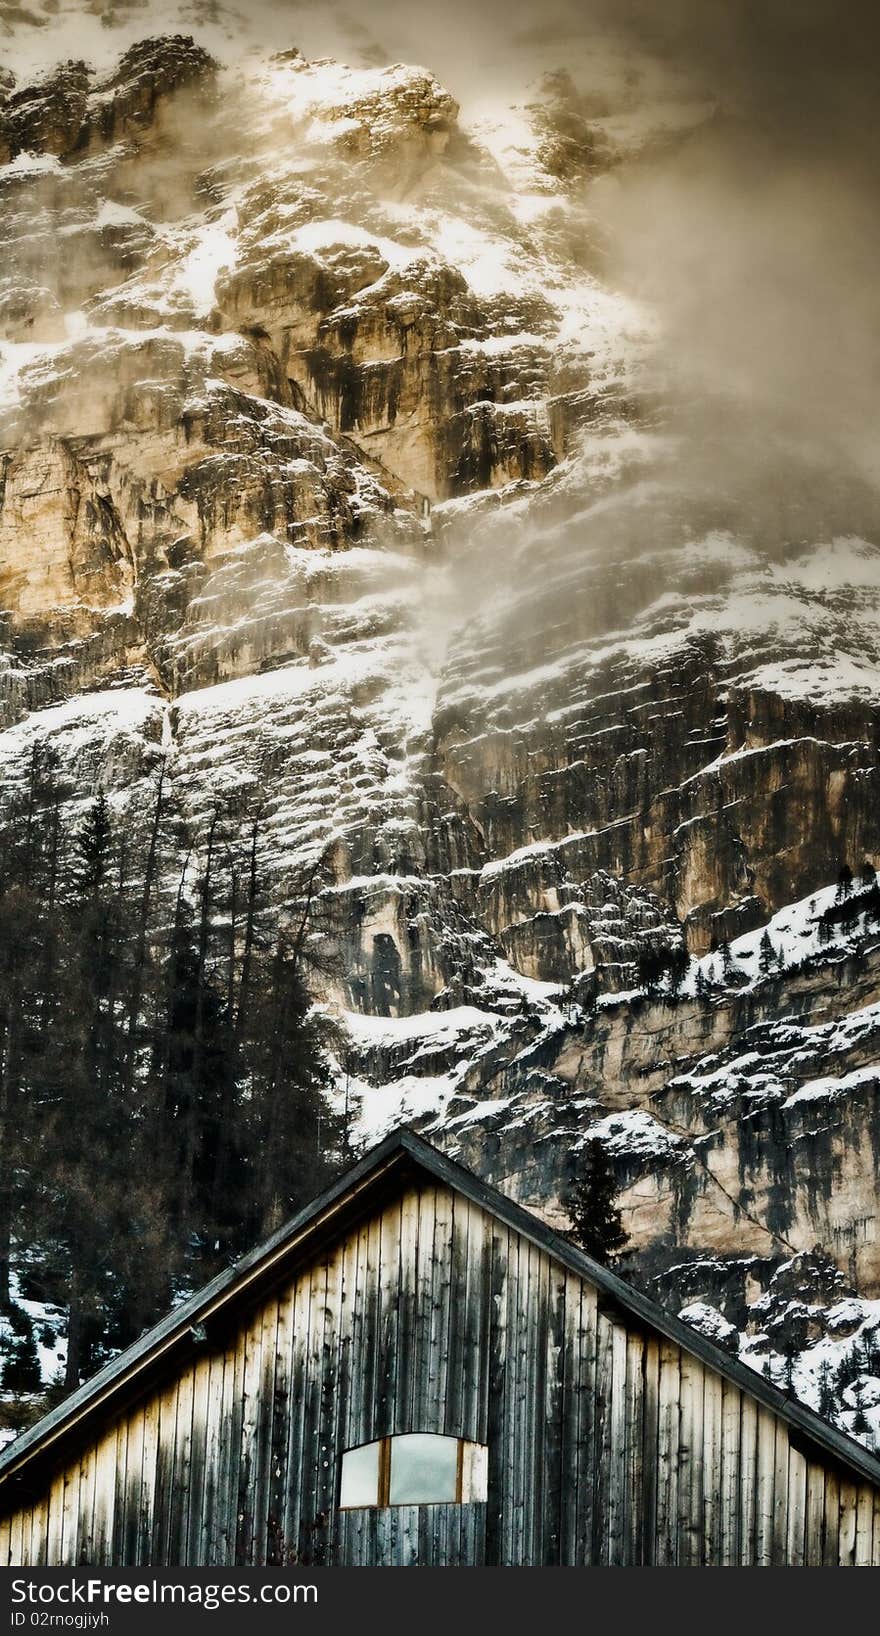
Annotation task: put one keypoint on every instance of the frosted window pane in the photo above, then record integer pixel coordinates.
(423, 1469)
(360, 1475)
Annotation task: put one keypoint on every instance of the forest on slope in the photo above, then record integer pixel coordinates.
(163, 1077)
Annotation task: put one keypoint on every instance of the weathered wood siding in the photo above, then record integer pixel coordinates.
(607, 1444)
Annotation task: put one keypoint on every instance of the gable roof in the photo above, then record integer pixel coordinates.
(381, 1173)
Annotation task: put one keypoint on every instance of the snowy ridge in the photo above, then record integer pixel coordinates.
(789, 939)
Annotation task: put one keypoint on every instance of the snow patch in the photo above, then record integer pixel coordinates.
(708, 1321)
(633, 1134)
(214, 251)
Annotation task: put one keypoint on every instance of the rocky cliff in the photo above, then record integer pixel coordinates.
(331, 482)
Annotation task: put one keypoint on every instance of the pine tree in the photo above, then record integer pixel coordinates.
(870, 1353)
(20, 1364)
(767, 956)
(594, 1220)
(860, 1420)
(196, 1073)
(30, 988)
(869, 874)
(97, 1251)
(679, 961)
(827, 1401)
(141, 961)
(290, 1134)
(844, 882)
(93, 848)
(850, 918)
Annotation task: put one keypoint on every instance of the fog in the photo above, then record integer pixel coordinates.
(754, 237)
(757, 239)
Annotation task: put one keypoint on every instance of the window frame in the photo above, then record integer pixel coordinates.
(383, 1502)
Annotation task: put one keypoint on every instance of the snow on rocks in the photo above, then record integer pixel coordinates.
(364, 109)
(708, 1321)
(413, 1033)
(781, 1066)
(105, 739)
(837, 1374)
(634, 1135)
(395, 1078)
(376, 1109)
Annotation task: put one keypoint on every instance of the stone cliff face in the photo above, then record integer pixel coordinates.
(327, 480)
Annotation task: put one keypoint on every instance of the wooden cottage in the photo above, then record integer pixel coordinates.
(417, 1371)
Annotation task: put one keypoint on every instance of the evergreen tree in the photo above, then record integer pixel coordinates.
(860, 1420)
(850, 915)
(93, 850)
(767, 956)
(196, 1124)
(290, 1134)
(827, 1401)
(31, 989)
(100, 1226)
(869, 1349)
(657, 961)
(679, 962)
(20, 1364)
(139, 985)
(594, 1220)
(844, 882)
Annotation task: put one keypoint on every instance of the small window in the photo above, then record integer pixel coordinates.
(360, 1475)
(416, 1468)
(424, 1469)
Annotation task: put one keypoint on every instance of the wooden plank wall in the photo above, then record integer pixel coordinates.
(606, 1445)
